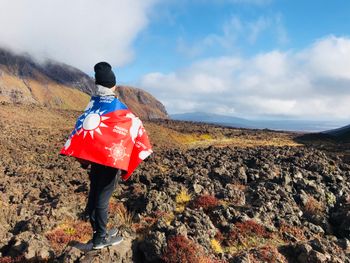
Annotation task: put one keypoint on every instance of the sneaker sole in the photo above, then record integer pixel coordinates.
(112, 244)
(99, 247)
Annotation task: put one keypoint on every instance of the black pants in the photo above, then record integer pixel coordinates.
(103, 181)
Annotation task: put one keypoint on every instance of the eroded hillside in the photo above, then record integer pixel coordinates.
(60, 86)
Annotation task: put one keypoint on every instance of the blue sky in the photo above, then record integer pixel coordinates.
(158, 47)
(264, 59)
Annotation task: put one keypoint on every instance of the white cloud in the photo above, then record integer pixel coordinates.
(322, 59)
(311, 83)
(237, 33)
(257, 27)
(76, 32)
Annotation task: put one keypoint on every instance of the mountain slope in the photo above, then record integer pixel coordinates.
(57, 85)
(141, 103)
(22, 80)
(342, 133)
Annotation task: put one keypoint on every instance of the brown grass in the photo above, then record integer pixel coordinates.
(120, 215)
(160, 136)
(313, 207)
(248, 142)
(296, 232)
(248, 235)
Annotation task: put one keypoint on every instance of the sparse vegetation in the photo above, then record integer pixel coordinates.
(248, 228)
(18, 259)
(69, 231)
(181, 249)
(181, 200)
(330, 199)
(124, 216)
(206, 202)
(33, 187)
(216, 246)
(247, 235)
(267, 254)
(146, 223)
(294, 231)
(313, 207)
(166, 216)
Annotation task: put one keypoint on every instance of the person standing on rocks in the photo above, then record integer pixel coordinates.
(103, 179)
(110, 138)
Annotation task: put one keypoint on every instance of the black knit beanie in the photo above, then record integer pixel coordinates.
(104, 75)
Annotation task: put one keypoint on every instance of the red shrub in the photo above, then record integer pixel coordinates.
(181, 249)
(18, 259)
(61, 236)
(219, 236)
(207, 202)
(296, 232)
(248, 228)
(144, 225)
(211, 260)
(158, 214)
(59, 239)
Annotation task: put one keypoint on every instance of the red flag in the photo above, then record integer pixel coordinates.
(108, 133)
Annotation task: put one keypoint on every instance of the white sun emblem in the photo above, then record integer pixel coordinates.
(92, 123)
(117, 151)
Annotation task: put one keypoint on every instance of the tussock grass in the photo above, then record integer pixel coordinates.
(182, 200)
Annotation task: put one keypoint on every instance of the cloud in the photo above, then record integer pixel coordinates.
(237, 33)
(79, 33)
(310, 83)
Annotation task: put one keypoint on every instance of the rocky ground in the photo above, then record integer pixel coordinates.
(207, 194)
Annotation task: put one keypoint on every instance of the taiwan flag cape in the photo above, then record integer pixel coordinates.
(108, 133)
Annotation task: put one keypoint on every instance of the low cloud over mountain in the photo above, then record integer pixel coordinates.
(75, 32)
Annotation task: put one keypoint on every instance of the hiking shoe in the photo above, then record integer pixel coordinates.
(110, 233)
(107, 241)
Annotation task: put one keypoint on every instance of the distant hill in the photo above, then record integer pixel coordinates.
(57, 85)
(212, 118)
(342, 133)
(141, 103)
(287, 125)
